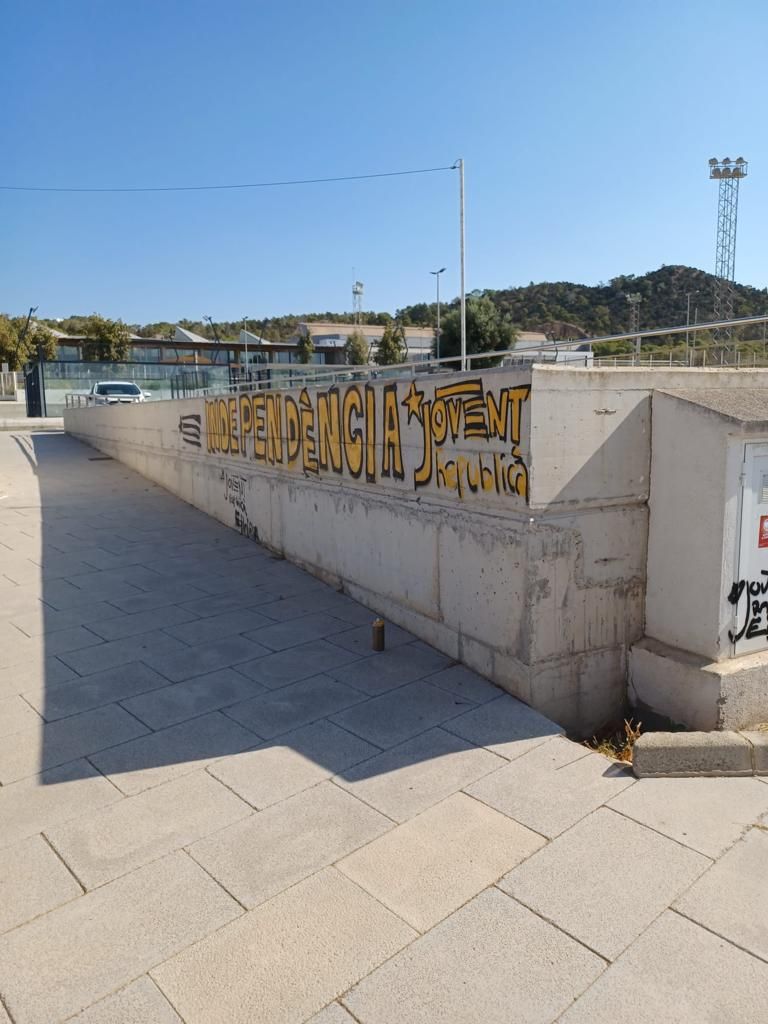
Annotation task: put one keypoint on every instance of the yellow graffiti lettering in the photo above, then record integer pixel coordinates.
(370, 438)
(274, 432)
(292, 431)
(233, 445)
(329, 430)
(439, 421)
(223, 426)
(246, 422)
(392, 453)
(307, 418)
(353, 438)
(259, 440)
(423, 474)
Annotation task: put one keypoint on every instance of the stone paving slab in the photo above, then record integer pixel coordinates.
(396, 716)
(117, 627)
(141, 1002)
(600, 881)
(58, 964)
(292, 706)
(553, 786)
(677, 972)
(379, 673)
(319, 657)
(47, 620)
(409, 778)
(178, 665)
(170, 753)
(172, 704)
(506, 726)
(32, 881)
(286, 959)
(281, 635)
(118, 653)
(34, 676)
(465, 683)
(55, 796)
(430, 866)
(708, 815)
(259, 857)
(96, 690)
(731, 899)
(296, 762)
(492, 961)
(115, 840)
(16, 715)
(48, 745)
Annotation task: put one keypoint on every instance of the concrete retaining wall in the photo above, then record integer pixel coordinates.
(501, 516)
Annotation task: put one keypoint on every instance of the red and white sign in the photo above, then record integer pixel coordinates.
(762, 539)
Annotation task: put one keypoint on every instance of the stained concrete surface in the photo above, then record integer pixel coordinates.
(216, 804)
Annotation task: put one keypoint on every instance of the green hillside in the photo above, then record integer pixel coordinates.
(561, 309)
(564, 309)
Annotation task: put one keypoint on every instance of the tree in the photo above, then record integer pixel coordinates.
(106, 341)
(39, 342)
(306, 347)
(18, 346)
(488, 330)
(392, 348)
(356, 349)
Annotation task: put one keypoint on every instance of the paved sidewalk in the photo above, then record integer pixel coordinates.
(217, 806)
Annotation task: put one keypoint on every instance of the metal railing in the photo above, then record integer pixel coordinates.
(75, 400)
(8, 385)
(273, 376)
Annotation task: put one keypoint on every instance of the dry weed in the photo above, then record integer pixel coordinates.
(618, 743)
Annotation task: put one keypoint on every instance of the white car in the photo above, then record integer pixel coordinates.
(116, 392)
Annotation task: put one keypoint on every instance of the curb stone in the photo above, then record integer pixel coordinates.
(688, 754)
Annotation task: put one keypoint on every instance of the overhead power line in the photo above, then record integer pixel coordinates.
(220, 188)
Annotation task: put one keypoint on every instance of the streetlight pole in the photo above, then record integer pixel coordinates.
(437, 274)
(460, 167)
(688, 296)
(245, 340)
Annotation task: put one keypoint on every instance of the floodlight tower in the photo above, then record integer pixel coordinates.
(357, 302)
(728, 173)
(634, 299)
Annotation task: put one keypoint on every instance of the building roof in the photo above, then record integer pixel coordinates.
(182, 336)
(369, 330)
(740, 405)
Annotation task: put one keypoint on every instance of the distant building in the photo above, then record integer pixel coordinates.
(331, 336)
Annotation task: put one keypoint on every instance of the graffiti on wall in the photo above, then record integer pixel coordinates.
(754, 619)
(460, 438)
(235, 487)
(189, 428)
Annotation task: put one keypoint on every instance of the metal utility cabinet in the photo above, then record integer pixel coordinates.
(704, 658)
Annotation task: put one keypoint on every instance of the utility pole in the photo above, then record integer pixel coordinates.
(437, 274)
(460, 166)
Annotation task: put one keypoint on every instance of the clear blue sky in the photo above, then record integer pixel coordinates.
(585, 127)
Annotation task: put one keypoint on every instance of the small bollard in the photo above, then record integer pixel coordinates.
(377, 635)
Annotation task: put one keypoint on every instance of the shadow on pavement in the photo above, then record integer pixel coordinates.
(141, 639)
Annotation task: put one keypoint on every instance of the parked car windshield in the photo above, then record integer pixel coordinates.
(118, 389)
